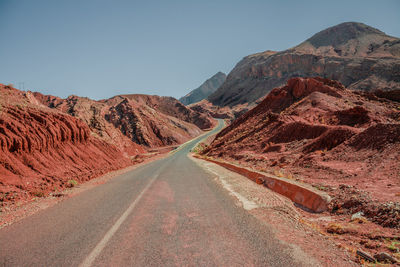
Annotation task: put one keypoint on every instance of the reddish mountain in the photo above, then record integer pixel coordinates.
(92, 113)
(43, 150)
(146, 124)
(172, 107)
(317, 131)
(359, 56)
(151, 121)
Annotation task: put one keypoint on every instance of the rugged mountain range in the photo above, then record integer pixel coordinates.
(359, 56)
(126, 120)
(206, 89)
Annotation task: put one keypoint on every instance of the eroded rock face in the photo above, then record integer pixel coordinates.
(172, 107)
(358, 56)
(325, 135)
(133, 121)
(43, 150)
(147, 126)
(92, 113)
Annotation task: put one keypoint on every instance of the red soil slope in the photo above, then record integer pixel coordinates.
(43, 150)
(316, 131)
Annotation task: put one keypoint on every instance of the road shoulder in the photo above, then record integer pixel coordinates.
(309, 246)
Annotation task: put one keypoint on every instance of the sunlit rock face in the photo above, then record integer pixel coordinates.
(357, 55)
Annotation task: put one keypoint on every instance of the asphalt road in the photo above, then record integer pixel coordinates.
(169, 212)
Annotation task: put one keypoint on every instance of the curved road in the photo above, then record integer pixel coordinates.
(169, 212)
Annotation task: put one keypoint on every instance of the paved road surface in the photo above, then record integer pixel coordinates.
(166, 213)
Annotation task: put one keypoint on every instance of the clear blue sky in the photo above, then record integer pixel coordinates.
(99, 48)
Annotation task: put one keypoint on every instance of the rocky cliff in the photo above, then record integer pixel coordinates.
(204, 90)
(357, 55)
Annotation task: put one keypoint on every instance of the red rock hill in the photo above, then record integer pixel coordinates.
(43, 150)
(319, 132)
(131, 120)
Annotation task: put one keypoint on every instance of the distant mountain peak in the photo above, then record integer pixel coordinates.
(218, 75)
(204, 90)
(342, 33)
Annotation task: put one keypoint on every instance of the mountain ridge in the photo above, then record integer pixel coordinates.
(134, 119)
(204, 90)
(359, 56)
